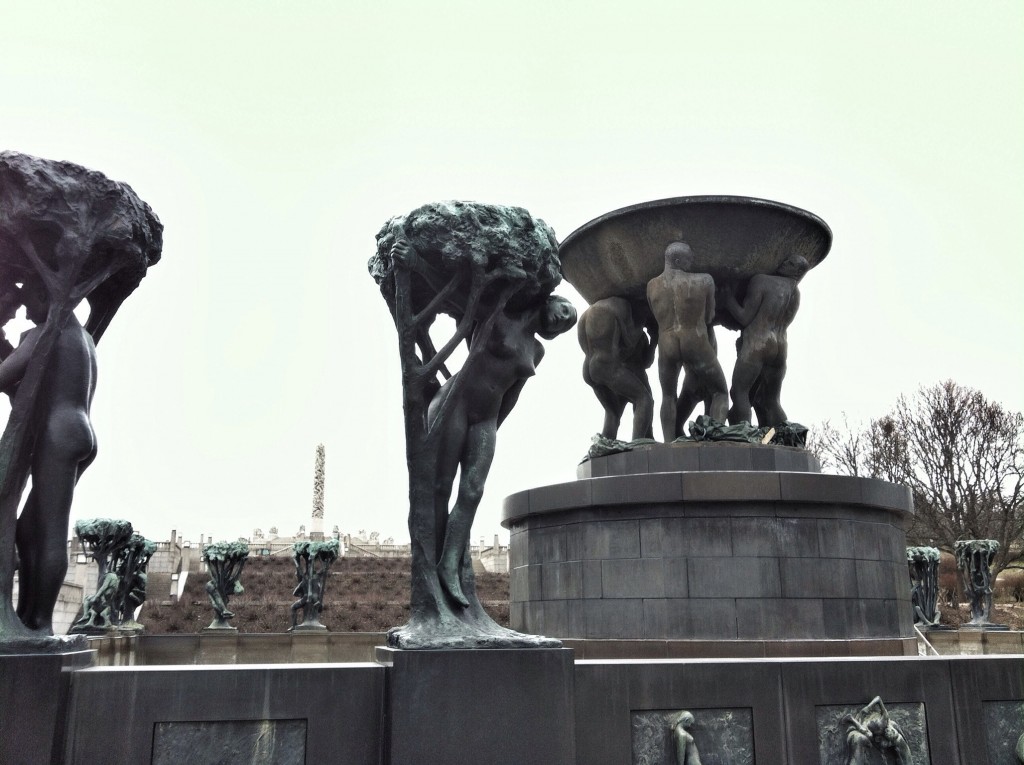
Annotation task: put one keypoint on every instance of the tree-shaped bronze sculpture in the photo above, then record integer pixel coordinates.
(67, 234)
(312, 563)
(923, 563)
(105, 539)
(492, 269)
(132, 563)
(974, 559)
(224, 561)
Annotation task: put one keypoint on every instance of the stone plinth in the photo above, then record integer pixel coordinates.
(710, 554)
(33, 704)
(501, 707)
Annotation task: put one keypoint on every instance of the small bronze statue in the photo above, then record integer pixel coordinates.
(312, 563)
(974, 559)
(923, 563)
(67, 234)
(104, 538)
(132, 564)
(225, 561)
(683, 304)
(617, 355)
(767, 311)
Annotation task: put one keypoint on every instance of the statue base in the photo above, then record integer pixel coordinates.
(986, 626)
(220, 627)
(710, 542)
(308, 627)
(499, 706)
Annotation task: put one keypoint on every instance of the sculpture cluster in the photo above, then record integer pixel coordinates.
(619, 336)
(122, 558)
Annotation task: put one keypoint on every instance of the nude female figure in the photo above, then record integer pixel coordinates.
(64, 448)
(493, 380)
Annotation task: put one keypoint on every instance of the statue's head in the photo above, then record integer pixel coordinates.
(558, 316)
(685, 719)
(679, 255)
(794, 267)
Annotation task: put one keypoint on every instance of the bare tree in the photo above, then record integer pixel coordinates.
(961, 455)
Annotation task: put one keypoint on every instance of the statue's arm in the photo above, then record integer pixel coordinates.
(743, 313)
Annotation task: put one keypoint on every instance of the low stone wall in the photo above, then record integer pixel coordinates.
(467, 707)
(976, 642)
(236, 648)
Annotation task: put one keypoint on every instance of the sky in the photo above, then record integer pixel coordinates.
(274, 139)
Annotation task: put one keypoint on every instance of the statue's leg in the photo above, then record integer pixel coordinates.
(769, 394)
(717, 389)
(668, 376)
(744, 376)
(41, 537)
(479, 453)
(613, 406)
(448, 456)
(631, 388)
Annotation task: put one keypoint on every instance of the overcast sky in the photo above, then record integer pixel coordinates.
(273, 140)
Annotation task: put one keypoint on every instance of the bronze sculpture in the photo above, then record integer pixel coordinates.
(67, 234)
(492, 269)
(768, 309)
(745, 257)
(617, 355)
(683, 304)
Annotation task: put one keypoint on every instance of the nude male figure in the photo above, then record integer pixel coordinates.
(767, 311)
(64, 448)
(618, 354)
(683, 304)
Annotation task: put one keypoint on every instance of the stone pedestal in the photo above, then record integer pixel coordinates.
(733, 542)
(33, 704)
(501, 707)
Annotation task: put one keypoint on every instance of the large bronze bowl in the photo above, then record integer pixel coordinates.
(733, 238)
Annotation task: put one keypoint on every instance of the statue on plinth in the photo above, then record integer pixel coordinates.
(923, 563)
(67, 234)
(312, 562)
(492, 269)
(225, 561)
(974, 559)
(104, 538)
(132, 565)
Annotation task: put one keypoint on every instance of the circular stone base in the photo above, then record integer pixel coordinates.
(711, 555)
